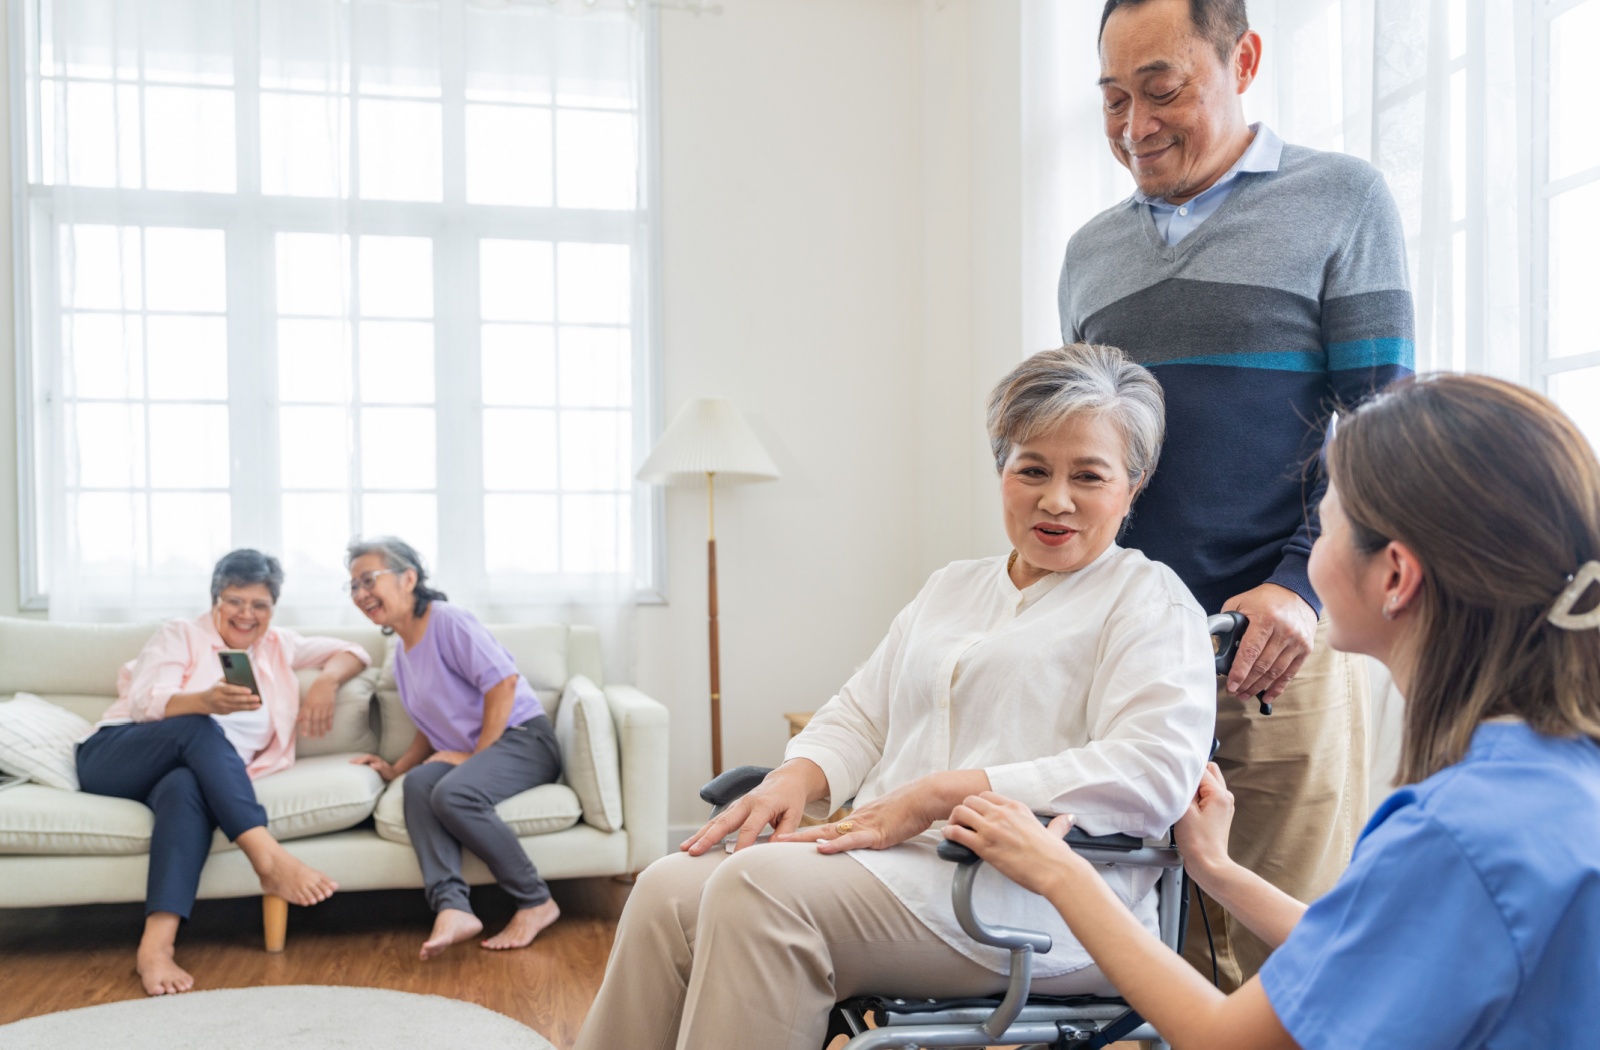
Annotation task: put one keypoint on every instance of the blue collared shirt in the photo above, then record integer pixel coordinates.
(1176, 221)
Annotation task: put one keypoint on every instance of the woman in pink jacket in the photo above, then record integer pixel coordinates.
(187, 744)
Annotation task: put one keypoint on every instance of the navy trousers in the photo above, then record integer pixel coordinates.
(185, 770)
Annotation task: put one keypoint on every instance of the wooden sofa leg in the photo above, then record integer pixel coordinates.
(275, 921)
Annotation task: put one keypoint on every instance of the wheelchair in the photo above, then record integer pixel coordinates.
(1033, 1022)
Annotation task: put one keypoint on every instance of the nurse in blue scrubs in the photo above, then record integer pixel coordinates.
(1460, 546)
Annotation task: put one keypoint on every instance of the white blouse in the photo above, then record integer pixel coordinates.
(1091, 693)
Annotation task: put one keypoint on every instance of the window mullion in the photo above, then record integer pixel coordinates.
(458, 416)
(252, 371)
(1539, 208)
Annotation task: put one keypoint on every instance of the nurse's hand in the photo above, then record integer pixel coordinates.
(1007, 835)
(779, 800)
(1202, 832)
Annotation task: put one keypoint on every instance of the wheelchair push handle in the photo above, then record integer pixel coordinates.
(1228, 629)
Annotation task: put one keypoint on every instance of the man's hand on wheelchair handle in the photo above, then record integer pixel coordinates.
(1278, 640)
(780, 800)
(1202, 832)
(1007, 835)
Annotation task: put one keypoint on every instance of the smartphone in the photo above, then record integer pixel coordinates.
(236, 669)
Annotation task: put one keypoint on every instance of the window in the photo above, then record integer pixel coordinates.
(300, 270)
(1566, 211)
(1406, 93)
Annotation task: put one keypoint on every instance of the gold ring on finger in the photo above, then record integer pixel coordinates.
(843, 827)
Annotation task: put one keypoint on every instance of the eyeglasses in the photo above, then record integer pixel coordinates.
(365, 581)
(239, 605)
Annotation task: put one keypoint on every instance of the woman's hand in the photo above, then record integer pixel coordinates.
(885, 821)
(1007, 835)
(316, 710)
(780, 800)
(225, 699)
(383, 769)
(1202, 832)
(455, 758)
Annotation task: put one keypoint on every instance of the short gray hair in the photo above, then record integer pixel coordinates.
(243, 568)
(398, 556)
(1052, 386)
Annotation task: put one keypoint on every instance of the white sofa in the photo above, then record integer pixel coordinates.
(61, 847)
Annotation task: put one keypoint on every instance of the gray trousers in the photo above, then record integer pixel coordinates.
(448, 807)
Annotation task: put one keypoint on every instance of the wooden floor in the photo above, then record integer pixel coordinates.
(61, 958)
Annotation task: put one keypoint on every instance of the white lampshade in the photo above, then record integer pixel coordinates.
(709, 436)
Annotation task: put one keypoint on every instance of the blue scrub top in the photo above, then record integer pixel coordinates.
(1470, 914)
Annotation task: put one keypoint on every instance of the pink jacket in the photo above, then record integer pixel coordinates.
(182, 658)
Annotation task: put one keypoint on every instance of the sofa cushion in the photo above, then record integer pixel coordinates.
(38, 819)
(589, 753)
(540, 650)
(537, 811)
(313, 796)
(87, 706)
(38, 656)
(352, 729)
(39, 740)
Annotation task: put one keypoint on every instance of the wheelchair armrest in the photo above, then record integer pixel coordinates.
(732, 784)
(1077, 838)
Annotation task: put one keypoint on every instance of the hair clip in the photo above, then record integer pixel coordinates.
(1561, 614)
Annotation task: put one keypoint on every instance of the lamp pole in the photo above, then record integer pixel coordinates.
(711, 610)
(709, 438)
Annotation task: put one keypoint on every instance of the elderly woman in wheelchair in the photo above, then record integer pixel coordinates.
(1071, 674)
(1460, 547)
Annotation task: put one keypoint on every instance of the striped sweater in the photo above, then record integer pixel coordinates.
(1291, 299)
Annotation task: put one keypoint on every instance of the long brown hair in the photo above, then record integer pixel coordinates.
(1498, 494)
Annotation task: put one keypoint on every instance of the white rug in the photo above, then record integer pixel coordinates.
(301, 1017)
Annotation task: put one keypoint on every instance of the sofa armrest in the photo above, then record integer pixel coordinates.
(642, 744)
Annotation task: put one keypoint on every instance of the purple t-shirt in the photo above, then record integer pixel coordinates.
(443, 678)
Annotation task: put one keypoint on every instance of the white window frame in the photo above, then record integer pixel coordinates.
(251, 221)
(1542, 191)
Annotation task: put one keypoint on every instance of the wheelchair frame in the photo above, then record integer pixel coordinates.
(1033, 1022)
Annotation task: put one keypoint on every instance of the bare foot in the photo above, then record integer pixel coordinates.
(297, 882)
(160, 973)
(524, 926)
(451, 926)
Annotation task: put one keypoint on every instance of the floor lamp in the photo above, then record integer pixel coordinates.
(709, 439)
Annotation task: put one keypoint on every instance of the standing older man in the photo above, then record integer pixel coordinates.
(1262, 283)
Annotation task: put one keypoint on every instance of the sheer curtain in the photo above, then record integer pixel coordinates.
(301, 270)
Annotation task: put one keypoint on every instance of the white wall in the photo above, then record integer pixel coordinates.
(844, 256)
(790, 284)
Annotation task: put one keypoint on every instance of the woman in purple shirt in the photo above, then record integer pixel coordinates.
(482, 736)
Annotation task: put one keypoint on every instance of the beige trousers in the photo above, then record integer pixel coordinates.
(754, 948)
(1299, 781)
